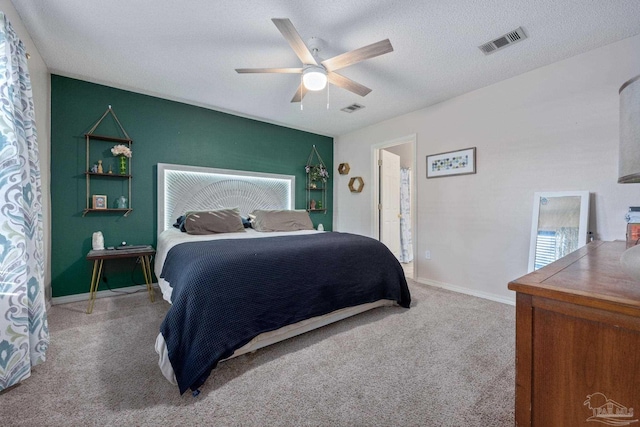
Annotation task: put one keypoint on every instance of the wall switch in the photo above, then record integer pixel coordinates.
(427, 255)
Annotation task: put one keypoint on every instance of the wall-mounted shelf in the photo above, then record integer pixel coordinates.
(109, 138)
(89, 137)
(125, 212)
(316, 186)
(108, 175)
(356, 184)
(321, 194)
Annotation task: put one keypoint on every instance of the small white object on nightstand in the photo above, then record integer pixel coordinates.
(97, 241)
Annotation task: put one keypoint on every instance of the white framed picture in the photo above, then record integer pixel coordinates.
(461, 162)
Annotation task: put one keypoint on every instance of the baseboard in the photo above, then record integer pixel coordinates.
(100, 294)
(467, 291)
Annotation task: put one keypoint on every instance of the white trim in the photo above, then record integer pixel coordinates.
(467, 291)
(100, 294)
(375, 185)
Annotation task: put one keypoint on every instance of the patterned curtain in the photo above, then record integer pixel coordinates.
(406, 247)
(24, 335)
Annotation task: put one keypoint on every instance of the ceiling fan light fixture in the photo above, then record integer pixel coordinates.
(314, 77)
(314, 70)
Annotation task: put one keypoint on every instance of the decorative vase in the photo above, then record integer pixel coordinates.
(123, 165)
(121, 202)
(312, 205)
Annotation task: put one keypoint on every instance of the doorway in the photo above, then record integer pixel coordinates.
(394, 204)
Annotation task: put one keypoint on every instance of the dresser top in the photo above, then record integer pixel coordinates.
(591, 276)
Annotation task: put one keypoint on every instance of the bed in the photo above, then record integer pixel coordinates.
(233, 293)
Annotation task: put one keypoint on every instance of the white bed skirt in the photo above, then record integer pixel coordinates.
(273, 337)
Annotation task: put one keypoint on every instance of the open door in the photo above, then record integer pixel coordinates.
(390, 201)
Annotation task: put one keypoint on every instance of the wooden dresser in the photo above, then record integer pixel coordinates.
(578, 341)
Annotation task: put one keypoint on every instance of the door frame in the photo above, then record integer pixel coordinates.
(375, 191)
(389, 216)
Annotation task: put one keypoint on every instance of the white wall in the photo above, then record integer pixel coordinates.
(551, 129)
(41, 86)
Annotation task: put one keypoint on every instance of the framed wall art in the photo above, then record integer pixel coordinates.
(461, 162)
(99, 202)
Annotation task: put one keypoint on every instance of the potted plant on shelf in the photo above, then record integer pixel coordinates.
(123, 153)
(317, 173)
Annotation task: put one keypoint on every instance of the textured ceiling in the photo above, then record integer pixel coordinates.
(188, 50)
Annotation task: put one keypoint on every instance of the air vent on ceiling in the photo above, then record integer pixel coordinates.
(504, 41)
(351, 108)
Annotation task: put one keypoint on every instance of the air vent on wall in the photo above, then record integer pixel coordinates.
(351, 108)
(504, 41)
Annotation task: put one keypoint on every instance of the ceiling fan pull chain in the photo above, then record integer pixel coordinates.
(328, 96)
(301, 98)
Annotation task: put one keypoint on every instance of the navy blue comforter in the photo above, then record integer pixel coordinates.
(226, 292)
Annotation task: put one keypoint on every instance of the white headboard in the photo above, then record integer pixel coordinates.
(191, 188)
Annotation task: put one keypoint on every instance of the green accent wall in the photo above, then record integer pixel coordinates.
(162, 131)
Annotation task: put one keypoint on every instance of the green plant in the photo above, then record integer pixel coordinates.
(317, 172)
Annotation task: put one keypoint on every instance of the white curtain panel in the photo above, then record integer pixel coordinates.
(406, 246)
(24, 335)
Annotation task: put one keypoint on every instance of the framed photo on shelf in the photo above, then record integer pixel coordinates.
(99, 202)
(461, 162)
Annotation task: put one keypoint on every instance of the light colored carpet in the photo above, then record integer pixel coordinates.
(448, 361)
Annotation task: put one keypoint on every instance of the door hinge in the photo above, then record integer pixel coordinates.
(379, 206)
(380, 162)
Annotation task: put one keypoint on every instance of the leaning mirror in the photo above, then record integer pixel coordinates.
(559, 226)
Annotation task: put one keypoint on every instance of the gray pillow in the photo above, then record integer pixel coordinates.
(280, 220)
(214, 221)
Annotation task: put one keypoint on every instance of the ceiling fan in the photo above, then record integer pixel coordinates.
(316, 72)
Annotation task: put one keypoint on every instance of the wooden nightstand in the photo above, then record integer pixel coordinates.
(98, 257)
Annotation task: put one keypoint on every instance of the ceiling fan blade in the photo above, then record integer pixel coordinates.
(366, 52)
(348, 84)
(291, 35)
(300, 93)
(270, 70)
